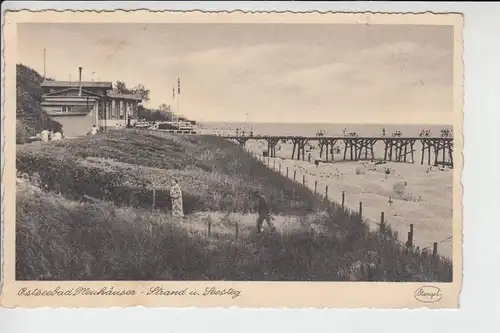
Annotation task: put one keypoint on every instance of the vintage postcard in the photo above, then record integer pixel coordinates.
(219, 159)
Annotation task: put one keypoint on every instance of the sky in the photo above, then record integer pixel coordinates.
(261, 72)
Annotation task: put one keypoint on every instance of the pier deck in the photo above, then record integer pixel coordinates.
(434, 150)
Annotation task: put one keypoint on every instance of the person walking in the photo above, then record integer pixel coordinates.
(176, 197)
(264, 213)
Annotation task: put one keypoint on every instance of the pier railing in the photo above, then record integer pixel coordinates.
(434, 150)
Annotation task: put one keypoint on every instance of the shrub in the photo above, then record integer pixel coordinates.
(22, 133)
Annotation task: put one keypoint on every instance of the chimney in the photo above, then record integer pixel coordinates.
(80, 81)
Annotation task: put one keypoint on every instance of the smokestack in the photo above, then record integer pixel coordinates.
(80, 81)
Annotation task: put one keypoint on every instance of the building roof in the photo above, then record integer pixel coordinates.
(58, 92)
(115, 94)
(75, 84)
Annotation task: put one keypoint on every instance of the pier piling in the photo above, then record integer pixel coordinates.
(434, 150)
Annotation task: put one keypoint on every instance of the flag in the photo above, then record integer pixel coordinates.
(173, 92)
(178, 85)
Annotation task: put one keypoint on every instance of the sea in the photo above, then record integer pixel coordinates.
(329, 129)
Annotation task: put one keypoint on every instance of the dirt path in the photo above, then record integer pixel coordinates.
(228, 225)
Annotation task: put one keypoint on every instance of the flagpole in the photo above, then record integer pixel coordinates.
(174, 109)
(44, 63)
(178, 97)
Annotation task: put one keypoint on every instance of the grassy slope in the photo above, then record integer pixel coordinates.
(112, 240)
(31, 119)
(124, 168)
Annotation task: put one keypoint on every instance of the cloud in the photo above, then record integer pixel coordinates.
(299, 73)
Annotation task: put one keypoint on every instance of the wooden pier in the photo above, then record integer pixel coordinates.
(434, 150)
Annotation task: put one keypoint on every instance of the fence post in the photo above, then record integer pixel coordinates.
(435, 250)
(326, 192)
(209, 226)
(410, 240)
(279, 167)
(315, 186)
(361, 211)
(303, 179)
(294, 174)
(154, 198)
(382, 222)
(237, 230)
(343, 198)
(286, 172)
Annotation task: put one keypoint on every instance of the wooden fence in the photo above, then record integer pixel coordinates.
(325, 195)
(382, 225)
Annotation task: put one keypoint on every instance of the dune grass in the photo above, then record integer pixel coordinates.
(125, 167)
(122, 238)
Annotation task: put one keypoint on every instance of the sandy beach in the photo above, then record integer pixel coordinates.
(425, 201)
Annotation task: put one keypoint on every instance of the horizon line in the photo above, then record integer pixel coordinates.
(319, 123)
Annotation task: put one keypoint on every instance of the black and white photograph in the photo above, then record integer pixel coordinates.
(238, 151)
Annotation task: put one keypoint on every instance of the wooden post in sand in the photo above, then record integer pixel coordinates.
(315, 186)
(286, 172)
(410, 236)
(304, 180)
(294, 174)
(154, 198)
(382, 222)
(237, 230)
(361, 211)
(435, 250)
(326, 192)
(279, 168)
(209, 226)
(343, 199)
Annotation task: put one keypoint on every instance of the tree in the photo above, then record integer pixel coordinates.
(142, 91)
(163, 113)
(121, 87)
(166, 110)
(164, 107)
